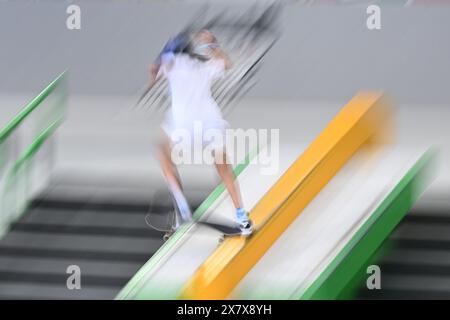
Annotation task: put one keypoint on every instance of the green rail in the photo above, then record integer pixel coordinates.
(29, 108)
(12, 202)
(347, 271)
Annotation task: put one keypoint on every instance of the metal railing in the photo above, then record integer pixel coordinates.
(24, 164)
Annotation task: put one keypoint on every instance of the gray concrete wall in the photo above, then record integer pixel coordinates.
(325, 52)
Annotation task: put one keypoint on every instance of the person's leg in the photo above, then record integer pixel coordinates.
(226, 173)
(172, 177)
(169, 170)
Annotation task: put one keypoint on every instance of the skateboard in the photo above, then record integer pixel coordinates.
(172, 226)
(169, 228)
(226, 230)
(174, 221)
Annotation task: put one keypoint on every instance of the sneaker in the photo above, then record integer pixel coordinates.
(246, 227)
(245, 224)
(241, 215)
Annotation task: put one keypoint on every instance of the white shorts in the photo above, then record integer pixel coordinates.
(197, 133)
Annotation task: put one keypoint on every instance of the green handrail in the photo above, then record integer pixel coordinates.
(33, 104)
(10, 214)
(34, 147)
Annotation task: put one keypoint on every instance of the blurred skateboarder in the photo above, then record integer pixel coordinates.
(190, 62)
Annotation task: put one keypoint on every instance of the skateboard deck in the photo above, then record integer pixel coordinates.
(174, 221)
(227, 230)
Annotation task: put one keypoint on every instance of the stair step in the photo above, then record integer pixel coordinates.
(75, 242)
(412, 256)
(91, 218)
(55, 292)
(440, 232)
(59, 266)
(415, 282)
(134, 232)
(415, 269)
(110, 205)
(427, 219)
(60, 279)
(415, 244)
(113, 256)
(96, 206)
(393, 294)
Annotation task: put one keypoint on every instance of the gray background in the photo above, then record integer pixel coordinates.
(324, 56)
(325, 52)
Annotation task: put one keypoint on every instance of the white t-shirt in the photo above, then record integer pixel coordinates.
(190, 83)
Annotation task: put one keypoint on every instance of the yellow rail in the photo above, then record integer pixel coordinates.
(356, 124)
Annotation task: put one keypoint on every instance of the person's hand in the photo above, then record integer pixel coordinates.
(153, 71)
(218, 53)
(152, 82)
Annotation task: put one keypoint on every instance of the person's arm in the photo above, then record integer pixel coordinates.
(153, 73)
(218, 53)
(173, 46)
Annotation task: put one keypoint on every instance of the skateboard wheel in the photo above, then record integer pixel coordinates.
(166, 237)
